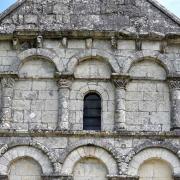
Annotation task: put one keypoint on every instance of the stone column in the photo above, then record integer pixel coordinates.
(7, 95)
(175, 103)
(120, 95)
(64, 85)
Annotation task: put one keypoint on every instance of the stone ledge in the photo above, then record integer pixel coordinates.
(31, 34)
(55, 133)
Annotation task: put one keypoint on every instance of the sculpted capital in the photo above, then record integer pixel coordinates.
(7, 82)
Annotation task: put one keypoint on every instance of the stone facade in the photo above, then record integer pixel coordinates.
(53, 53)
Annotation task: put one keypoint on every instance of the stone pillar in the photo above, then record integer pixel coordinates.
(175, 103)
(64, 85)
(120, 177)
(7, 95)
(120, 95)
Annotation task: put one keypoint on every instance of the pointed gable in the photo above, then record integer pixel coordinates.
(100, 15)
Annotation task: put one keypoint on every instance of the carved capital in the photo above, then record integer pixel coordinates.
(120, 83)
(8, 82)
(64, 83)
(174, 84)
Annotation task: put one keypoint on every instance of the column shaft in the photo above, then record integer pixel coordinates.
(175, 104)
(7, 96)
(64, 93)
(120, 108)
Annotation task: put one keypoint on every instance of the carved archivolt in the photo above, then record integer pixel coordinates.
(108, 147)
(153, 153)
(32, 146)
(40, 52)
(165, 146)
(90, 54)
(89, 152)
(148, 55)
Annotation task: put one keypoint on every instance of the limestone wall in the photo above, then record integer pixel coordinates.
(42, 92)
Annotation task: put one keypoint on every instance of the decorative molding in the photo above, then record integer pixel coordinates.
(8, 82)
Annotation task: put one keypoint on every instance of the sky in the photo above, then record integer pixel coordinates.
(172, 5)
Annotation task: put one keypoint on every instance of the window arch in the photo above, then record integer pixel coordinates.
(92, 112)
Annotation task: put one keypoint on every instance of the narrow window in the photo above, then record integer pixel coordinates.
(92, 112)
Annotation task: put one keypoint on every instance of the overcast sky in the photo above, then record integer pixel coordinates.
(172, 5)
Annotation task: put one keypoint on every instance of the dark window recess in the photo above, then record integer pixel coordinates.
(92, 112)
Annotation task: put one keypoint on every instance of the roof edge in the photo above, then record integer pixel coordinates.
(153, 2)
(165, 11)
(11, 9)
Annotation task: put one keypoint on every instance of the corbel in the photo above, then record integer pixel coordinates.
(89, 43)
(64, 42)
(114, 42)
(138, 44)
(163, 46)
(39, 41)
(15, 43)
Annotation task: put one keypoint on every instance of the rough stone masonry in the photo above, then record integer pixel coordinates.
(55, 52)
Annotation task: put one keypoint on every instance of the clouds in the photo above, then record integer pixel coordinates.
(172, 5)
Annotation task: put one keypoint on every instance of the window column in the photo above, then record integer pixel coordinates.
(64, 84)
(7, 95)
(120, 83)
(174, 85)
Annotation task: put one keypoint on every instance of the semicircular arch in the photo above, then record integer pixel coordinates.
(93, 54)
(153, 153)
(157, 57)
(89, 152)
(43, 53)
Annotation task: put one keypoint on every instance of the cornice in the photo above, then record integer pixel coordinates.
(102, 134)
